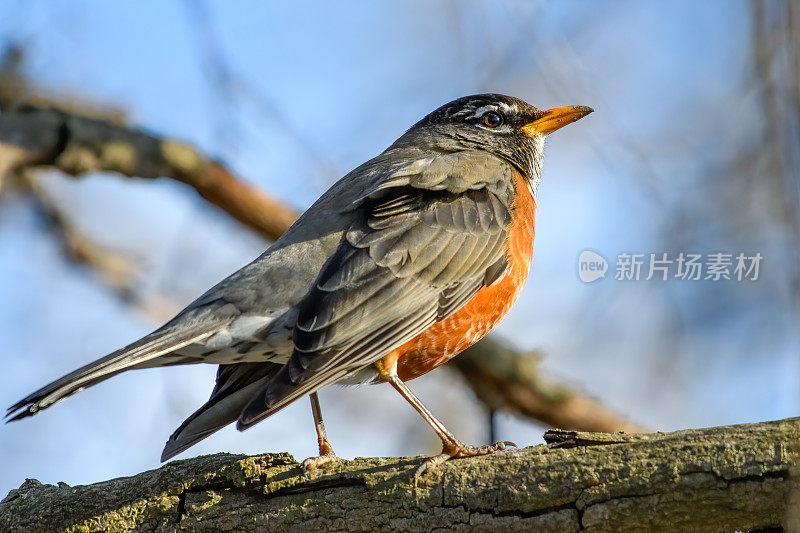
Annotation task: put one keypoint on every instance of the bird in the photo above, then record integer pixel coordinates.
(402, 264)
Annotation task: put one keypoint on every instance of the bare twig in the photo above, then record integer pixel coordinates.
(233, 90)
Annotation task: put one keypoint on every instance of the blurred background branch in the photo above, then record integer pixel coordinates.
(510, 380)
(77, 144)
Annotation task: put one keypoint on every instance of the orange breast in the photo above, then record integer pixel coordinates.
(446, 339)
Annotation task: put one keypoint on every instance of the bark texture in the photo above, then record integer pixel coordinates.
(732, 478)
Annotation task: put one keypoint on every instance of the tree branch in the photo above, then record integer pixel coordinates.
(719, 479)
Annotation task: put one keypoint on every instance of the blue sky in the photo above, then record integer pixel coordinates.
(316, 90)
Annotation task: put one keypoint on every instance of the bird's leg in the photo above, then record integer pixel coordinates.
(452, 448)
(326, 454)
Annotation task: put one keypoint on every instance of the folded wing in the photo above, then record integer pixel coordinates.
(429, 237)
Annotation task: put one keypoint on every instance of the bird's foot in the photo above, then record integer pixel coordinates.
(313, 463)
(458, 450)
(326, 456)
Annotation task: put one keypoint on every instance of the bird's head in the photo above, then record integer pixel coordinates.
(503, 125)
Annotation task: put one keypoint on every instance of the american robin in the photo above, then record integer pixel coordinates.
(402, 264)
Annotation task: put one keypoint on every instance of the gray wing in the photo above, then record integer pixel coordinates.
(427, 239)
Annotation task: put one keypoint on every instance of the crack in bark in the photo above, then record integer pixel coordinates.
(181, 506)
(255, 488)
(308, 488)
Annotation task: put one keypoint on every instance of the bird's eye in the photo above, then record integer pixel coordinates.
(492, 119)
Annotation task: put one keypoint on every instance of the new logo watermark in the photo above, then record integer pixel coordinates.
(591, 266)
(687, 266)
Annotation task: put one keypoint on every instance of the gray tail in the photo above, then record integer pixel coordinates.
(140, 354)
(236, 386)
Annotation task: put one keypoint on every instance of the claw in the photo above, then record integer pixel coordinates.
(458, 450)
(430, 464)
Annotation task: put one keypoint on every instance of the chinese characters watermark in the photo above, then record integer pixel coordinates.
(662, 266)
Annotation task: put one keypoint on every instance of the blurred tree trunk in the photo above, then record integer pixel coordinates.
(776, 60)
(732, 478)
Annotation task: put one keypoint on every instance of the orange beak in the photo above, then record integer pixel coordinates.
(554, 119)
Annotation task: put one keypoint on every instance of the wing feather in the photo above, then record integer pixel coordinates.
(428, 237)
